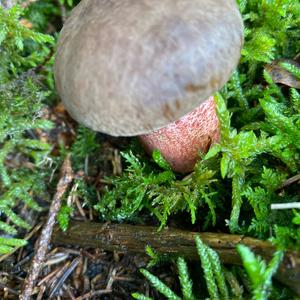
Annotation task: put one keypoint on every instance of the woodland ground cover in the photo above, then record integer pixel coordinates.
(231, 190)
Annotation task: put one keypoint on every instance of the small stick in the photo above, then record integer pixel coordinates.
(48, 277)
(93, 294)
(291, 180)
(38, 260)
(8, 289)
(290, 205)
(60, 281)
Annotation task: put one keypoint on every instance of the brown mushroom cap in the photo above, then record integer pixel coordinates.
(128, 67)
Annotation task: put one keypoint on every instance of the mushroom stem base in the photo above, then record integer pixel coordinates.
(181, 141)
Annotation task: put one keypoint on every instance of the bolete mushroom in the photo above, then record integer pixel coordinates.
(131, 67)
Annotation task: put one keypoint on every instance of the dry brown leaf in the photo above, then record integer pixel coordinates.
(280, 75)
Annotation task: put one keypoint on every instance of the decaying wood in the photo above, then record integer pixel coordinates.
(129, 238)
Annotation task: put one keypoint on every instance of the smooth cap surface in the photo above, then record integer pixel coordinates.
(127, 67)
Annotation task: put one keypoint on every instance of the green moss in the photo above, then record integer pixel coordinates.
(21, 99)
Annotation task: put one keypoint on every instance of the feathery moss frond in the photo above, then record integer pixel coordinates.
(259, 273)
(21, 99)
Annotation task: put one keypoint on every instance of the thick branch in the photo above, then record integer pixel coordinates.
(129, 238)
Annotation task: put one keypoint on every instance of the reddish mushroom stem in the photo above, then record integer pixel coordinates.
(181, 141)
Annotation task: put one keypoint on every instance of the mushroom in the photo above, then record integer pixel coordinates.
(131, 67)
(181, 141)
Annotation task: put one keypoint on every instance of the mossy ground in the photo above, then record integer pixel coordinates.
(231, 189)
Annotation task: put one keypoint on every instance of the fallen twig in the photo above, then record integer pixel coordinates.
(37, 263)
(129, 238)
(60, 281)
(8, 289)
(291, 181)
(93, 294)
